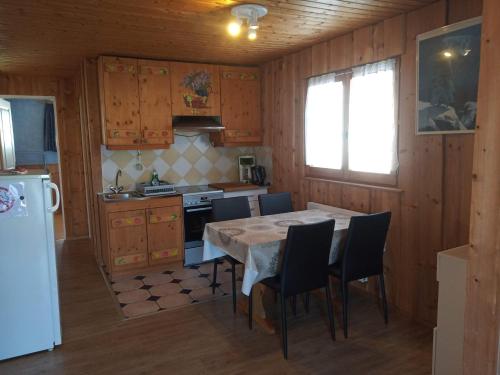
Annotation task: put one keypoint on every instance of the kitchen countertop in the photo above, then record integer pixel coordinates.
(227, 187)
(235, 186)
(134, 198)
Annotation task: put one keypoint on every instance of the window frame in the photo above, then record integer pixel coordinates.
(344, 174)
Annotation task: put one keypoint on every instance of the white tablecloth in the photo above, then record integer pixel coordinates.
(257, 242)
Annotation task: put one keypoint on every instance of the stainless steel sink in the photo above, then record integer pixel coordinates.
(123, 196)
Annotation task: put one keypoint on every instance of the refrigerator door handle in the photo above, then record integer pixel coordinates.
(53, 186)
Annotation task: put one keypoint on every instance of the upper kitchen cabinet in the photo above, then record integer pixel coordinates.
(195, 89)
(240, 107)
(155, 103)
(119, 95)
(135, 103)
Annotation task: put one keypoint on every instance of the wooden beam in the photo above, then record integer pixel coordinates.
(482, 317)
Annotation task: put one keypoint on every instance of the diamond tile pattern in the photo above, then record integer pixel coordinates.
(174, 287)
(182, 166)
(189, 161)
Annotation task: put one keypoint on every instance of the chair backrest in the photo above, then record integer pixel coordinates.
(230, 208)
(276, 203)
(364, 246)
(306, 256)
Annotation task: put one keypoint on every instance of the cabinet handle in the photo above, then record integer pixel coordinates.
(155, 219)
(199, 209)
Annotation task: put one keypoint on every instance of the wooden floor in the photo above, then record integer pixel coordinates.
(207, 338)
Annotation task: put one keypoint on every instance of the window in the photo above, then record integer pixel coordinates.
(324, 119)
(350, 124)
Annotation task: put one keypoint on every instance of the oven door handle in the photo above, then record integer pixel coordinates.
(199, 209)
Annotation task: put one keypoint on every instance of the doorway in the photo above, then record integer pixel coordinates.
(34, 142)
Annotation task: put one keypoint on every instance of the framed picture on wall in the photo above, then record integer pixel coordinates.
(447, 78)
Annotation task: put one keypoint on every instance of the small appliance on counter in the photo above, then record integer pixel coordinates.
(147, 189)
(246, 163)
(258, 175)
(155, 187)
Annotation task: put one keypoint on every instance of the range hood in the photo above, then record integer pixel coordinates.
(197, 123)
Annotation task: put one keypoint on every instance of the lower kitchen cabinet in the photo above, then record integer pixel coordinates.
(138, 234)
(127, 240)
(164, 234)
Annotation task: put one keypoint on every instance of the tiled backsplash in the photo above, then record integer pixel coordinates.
(189, 161)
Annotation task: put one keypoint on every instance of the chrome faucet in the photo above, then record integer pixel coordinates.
(117, 189)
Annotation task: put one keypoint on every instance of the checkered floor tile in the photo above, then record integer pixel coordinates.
(174, 287)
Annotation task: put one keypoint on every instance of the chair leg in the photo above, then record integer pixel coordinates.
(233, 276)
(306, 302)
(250, 310)
(330, 310)
(214, 276)
(345, 305)
(294, 305)
(284, 340)
(384, 297)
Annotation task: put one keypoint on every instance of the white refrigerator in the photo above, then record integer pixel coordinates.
(29, 298)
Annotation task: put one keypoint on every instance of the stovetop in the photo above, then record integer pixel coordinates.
(197, 189)
(199, 195)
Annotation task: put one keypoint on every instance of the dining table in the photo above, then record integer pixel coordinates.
(258, 243)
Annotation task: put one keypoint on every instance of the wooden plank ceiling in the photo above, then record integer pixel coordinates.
(52, 36)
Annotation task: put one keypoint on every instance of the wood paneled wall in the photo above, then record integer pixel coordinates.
(66, 92)
(92, 140)
(482, 316)
(431, 201)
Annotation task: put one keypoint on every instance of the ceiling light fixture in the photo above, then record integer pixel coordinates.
(234, 28)
(448, 54)
(252, 34)
(249, 13)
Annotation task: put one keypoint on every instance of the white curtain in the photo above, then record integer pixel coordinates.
(324, 122)
(372, 120)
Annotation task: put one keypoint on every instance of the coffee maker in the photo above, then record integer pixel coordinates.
(246, 163)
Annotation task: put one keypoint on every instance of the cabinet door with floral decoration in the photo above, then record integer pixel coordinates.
(165, 232)
(155, 103)
(195, 89)
(240, 106)
(128, 242)
(119, 94)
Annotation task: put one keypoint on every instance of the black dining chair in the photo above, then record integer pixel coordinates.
(229, 209)
(275, 203)
(304, 268)
(363, 257)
